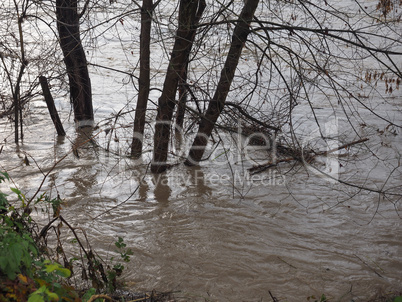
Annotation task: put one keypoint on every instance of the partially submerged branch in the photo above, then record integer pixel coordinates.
(301, 156)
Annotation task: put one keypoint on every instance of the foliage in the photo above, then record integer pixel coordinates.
(323, 298)
(124, 253)
(88, 294)
(17, 251)
(23, 272)
(118, 268)
(3, 197)
(28, 274)
(17, 248)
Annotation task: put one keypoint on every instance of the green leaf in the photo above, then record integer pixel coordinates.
(3, 199)
(398, 299)
(63, 272)
(58, 269)
(4, 176)
(9, 268)
(35, 298)
(20, 195)
(49, 268)
(16, 191)
(42, 293)
(90, 292)
(16, 251)
(120, 243)
(41, 290)
(52, 296)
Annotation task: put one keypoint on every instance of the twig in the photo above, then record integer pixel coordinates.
(344, 146)
(270, 164)
(54, 166)
(292, 266)
(46, 227)
(242, 111)
(274, 299)
(94, 297)
(76, 237)
(310, 155)
(378, 274)
(124, 201)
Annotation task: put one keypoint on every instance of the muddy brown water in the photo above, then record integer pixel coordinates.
(207, 231)
(213, 235)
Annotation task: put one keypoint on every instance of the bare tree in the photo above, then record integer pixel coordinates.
(68, 25)
(256, 66)
(144, 79)
(217, 103)
(15, 86)
(24, 56)
(190, 12)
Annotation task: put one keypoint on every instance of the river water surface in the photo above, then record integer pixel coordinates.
(213, 232)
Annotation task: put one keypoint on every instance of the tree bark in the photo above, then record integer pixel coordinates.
(51, 107)
(190, 12)
(144, 79)
(217, 103)
(16, 93)
(181, 106)
(75, 60)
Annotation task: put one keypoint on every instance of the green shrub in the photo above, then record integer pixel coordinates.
(17, 252)
(28, 274)
(23, 272)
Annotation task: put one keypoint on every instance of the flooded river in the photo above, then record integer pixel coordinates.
(215, 232)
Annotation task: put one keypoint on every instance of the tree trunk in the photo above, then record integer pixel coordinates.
(75, 60)
(181, 106)
(16, 93)
(51, 107)
(217, 103)
(190, 12)
(144, 80)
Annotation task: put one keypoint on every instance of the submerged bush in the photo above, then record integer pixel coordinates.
(27, 272)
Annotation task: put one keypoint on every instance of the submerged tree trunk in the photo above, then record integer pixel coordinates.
(190, 12)
(217, 103)
(51, 107)
(144, 80)
(181, 106)
(17, 89)
(75, 60)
